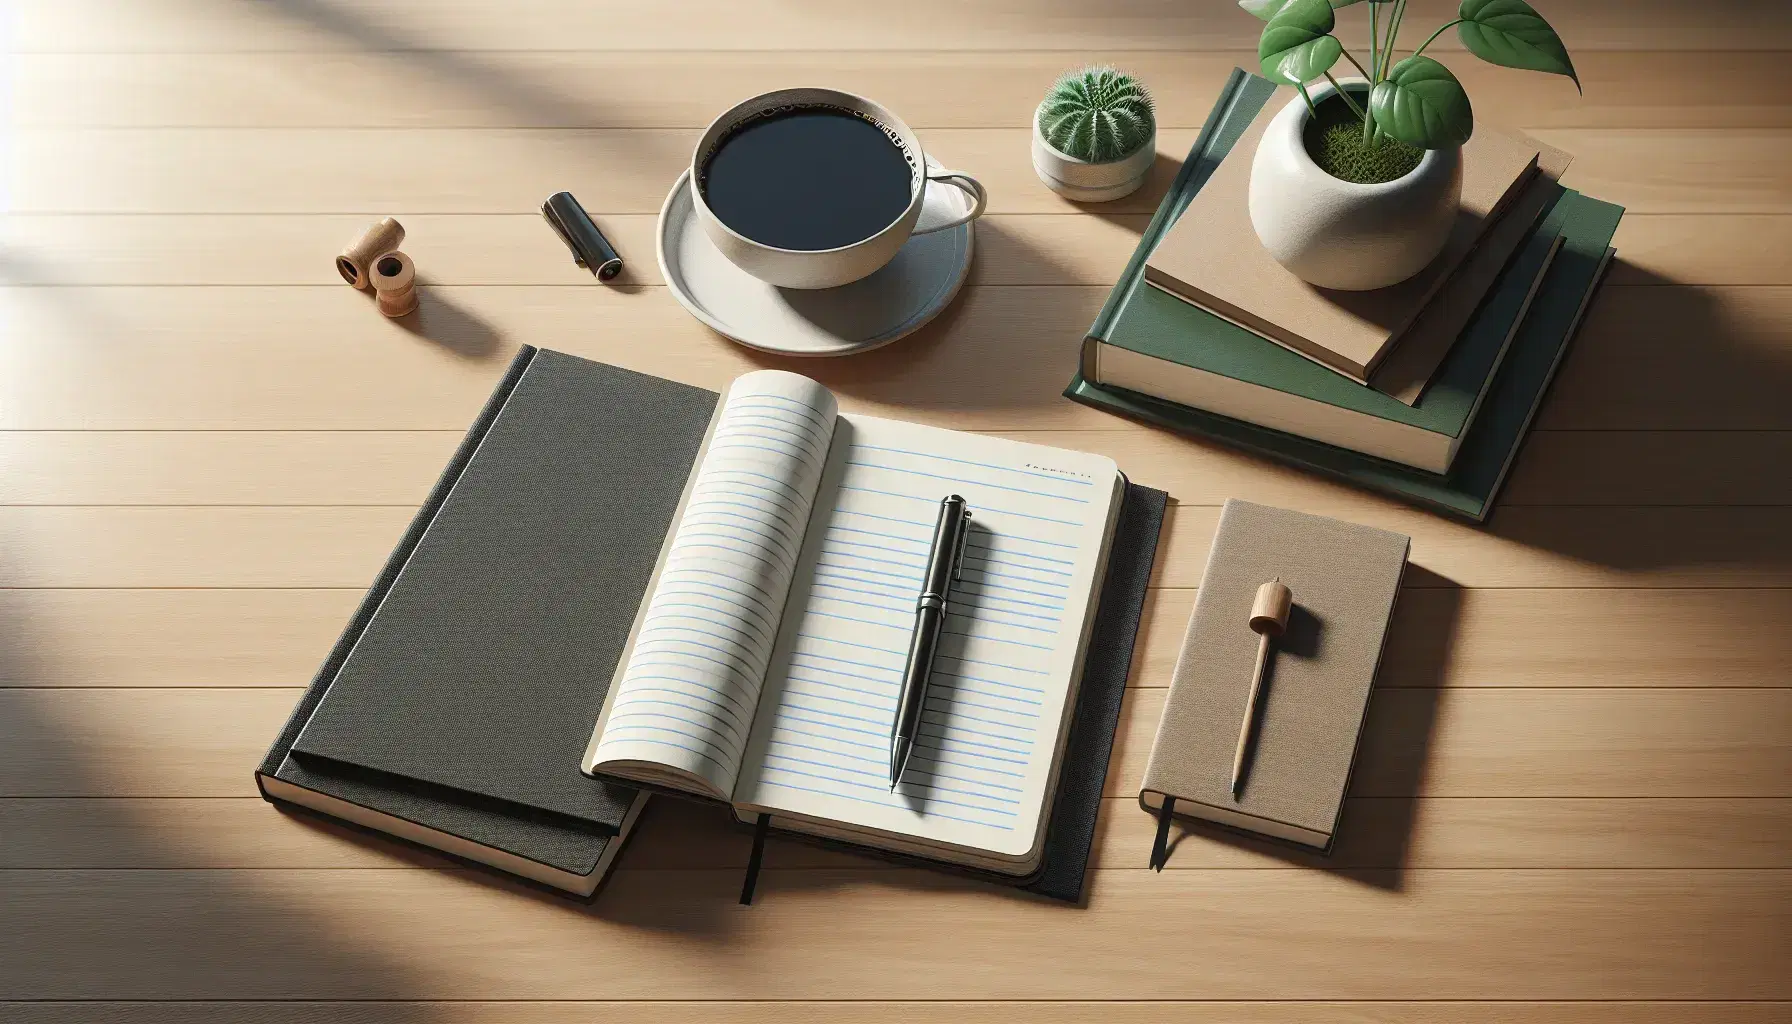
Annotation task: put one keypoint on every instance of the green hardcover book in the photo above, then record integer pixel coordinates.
(1139, 320)
(1180, 353)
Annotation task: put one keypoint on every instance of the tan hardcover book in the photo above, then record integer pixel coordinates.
(1344, 579)
(1406, 370)
(1212, 258)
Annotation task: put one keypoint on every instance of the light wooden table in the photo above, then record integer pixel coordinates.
(1574, 801)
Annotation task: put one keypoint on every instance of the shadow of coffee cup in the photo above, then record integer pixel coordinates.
(809, 195)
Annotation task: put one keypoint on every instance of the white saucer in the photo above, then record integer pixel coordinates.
(903, 295)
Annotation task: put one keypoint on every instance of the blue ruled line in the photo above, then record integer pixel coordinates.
(980, 465)
(753, 402)
(828, 792)
(992, 508)
(962, 481)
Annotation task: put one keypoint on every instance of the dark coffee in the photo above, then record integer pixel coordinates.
(810, 177)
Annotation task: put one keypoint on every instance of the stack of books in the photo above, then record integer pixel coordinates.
(1423, 389)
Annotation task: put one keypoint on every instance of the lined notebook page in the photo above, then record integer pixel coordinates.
(996, 707)
(686, 699)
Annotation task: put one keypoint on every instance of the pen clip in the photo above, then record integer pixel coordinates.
(964, 535)
(549, 214)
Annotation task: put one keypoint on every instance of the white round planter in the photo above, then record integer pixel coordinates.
(1086, 182)
(1337, 234)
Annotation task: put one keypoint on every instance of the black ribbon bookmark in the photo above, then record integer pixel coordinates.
(747, 884)
(1160, 847)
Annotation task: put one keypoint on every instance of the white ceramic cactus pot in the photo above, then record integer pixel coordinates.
(1086, 182)
(1337, 234)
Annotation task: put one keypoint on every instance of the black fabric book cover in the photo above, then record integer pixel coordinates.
(485, 666)
(557, 445)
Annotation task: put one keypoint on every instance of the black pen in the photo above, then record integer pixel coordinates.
(930, 615)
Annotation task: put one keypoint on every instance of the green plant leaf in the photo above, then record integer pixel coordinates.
(1513, 35)
(1296, 46)
(1423, 105)
(1267, 9)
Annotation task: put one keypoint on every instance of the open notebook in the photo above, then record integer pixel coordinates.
(765, 660)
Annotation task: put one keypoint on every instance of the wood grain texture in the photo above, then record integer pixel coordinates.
(1573, 791)
(344, 546)
(499, 89)
(1441, 637)
(184, 26)
(821, 1012)
(1657, 358)
(516, 248)
(1378, 833)
(511, 170)
(1437, 743)
(371, 467)
(169, 934)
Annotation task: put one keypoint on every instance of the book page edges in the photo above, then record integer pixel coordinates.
(1276, 410)
(645, 771)
(274, 788)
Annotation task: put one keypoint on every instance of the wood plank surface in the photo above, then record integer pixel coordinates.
(1573, 804)
(97, 26)
(855, 1012)
(1441, 637)
(511, 170)
(1604, 742)
(1378, 833)
(372, 467)
(181, 26)
(169, 934)
(1660, 358)
(344, 546)
(553, 89)
(518, 249)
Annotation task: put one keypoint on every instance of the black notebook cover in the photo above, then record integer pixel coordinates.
(486, 663)
(574, 847)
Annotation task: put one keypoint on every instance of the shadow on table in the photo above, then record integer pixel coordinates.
(1374, 837)
(992, 350)
(1653, 355)
(450, 326)
(1134, 211)
(95, 904)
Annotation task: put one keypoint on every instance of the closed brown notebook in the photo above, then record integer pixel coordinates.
(1345, 578)
(1212, 258)
(1407, 370)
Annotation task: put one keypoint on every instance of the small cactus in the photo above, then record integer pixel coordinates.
(1098, 114)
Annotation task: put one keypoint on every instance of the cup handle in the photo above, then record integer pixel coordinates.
(970, 185)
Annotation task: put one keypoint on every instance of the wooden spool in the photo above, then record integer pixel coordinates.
(356, 262)
(395, 283)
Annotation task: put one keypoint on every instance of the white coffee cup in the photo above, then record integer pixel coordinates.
(826, 268)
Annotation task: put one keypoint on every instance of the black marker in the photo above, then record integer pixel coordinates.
(590, 249)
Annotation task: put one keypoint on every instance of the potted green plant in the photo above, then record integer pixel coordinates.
(1356, 183)
(1094, 135)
